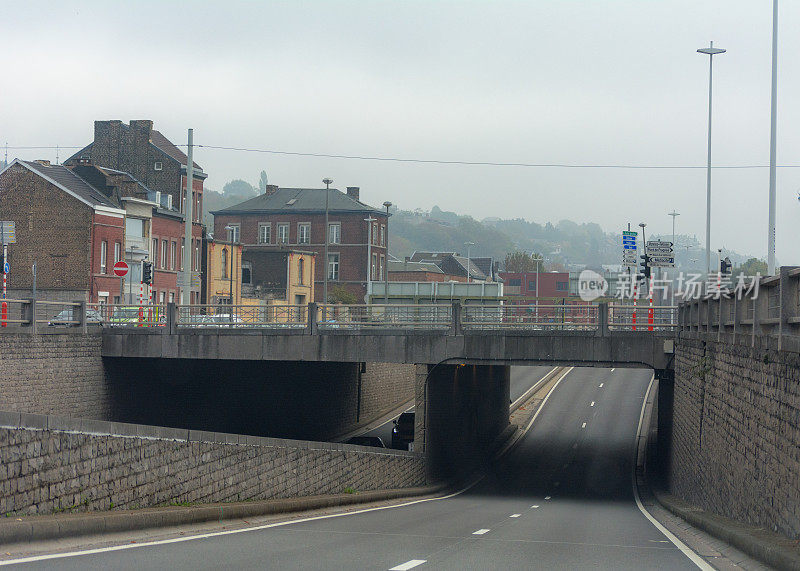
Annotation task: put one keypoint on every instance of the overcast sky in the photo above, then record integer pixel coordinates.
(577, 82)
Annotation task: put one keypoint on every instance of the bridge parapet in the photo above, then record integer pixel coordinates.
(766, 314)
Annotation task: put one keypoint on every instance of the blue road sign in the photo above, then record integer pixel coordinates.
(628, 247)
(6, 268)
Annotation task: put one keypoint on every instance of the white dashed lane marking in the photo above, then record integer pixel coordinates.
(601, 385)
(592, 404)
(547, 497)
(534, 507)
(583, 425)
(481, 531)
(515, 515)
(408, 565)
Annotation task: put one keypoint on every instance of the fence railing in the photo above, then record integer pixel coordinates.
(311, 318)
(242, 316)
(426, 316)
(535, 317)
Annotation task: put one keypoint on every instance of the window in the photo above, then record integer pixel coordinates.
(303, 233)
(103, 254)
(264, 233)
(333, 267)
(117, 251)
(247, 273)
(373, 266)
(375, 233)
(183, 245)
(562, 286)
(197, 258)
(172, 297)
(515, 282)
(158, 165)
(224, 263)
(174, 247)
(335, 233)
(383, 235)
(300, 268)
(164, 254)
(134, 227)
(161, 297)
(283, 233)
(233, 233)
(154, 252)
(532, 286)
(383, 265)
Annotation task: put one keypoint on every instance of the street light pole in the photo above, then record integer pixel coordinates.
(674, 215)
(711, 51)
(468, 245)
(327, 182)
(773, 141)
(386, 204)
(538, 259)
(369, 220)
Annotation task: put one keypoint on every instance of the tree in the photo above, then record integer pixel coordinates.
(263, 182)
(238, 187)
(519, 262)
(751, 267)
(340, 294)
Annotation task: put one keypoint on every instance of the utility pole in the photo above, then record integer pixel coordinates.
(369, 220)
(186, 286)
(327, 182)
(674, 214)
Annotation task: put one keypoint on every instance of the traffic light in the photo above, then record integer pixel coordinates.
(147, 272)
(725, 266)
(644, 270)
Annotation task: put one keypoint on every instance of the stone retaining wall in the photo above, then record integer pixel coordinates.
(736, 433)
(49, 469)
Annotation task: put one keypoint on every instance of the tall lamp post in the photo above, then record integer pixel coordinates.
(328, 182)
(773, 141)
(386, 205)
(711, 51)
(369, 220)
(538, 259)
(231, 236)
(468, 245)
(674, 215)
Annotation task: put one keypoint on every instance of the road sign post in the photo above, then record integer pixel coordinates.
(121, 270)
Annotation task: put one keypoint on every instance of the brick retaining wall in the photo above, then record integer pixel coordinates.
(736, 433)
(59, 373)
(46, 470)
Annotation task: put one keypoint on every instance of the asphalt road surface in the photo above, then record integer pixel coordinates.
(562, 499)
(522, 379)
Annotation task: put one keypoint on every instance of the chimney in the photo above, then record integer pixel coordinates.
(353, 192)
(271, 189)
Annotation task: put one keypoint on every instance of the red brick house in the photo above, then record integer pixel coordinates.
(72, 232)
(295, 217)
(157, 165)
(552, 285)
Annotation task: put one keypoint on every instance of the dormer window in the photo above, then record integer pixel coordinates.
(158, 165)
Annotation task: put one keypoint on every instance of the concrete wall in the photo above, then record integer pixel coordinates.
(461, 411)
(54, 374)
(48, 469)
(735, 434)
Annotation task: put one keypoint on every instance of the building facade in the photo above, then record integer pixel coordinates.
(294, 218)
(223, 273)
(148, 157)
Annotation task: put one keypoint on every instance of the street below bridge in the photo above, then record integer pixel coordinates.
(562, 498)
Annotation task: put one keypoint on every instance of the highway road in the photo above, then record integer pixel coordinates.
(522, 379)
(562, 499)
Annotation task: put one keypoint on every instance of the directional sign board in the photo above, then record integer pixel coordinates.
(629, 248)
(7, 232)
(660, 254)
(662, 262)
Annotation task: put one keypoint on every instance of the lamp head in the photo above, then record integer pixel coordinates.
(327, 181)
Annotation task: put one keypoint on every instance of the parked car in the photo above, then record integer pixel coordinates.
(403, 431)
(67, 318)
(375, 441)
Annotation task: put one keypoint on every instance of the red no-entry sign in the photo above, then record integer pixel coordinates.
(120, 269)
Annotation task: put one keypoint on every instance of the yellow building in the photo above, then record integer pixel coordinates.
(223, 273)
(279, 280)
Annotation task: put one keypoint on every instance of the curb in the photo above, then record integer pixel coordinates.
(766, 546)
(40, 528)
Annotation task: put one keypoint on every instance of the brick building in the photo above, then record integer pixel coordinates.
(72, 232)
(552, 285)
(158, 165)
(458, 267)
(408, 271)
(295, 218)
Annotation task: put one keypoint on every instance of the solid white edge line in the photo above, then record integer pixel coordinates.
(693, 557)
(535, 385)
(50, 556)
(408, 565)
